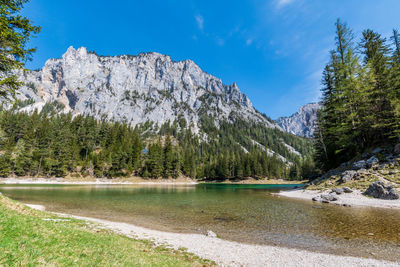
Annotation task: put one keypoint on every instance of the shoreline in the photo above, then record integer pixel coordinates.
(102, 181)
(354, 199)
(137, 181)
(229, 253)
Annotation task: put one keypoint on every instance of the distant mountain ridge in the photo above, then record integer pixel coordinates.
(303, 122)
(134, 89)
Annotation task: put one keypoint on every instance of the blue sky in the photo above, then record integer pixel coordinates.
(274, 50)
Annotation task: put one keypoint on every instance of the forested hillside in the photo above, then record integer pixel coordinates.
(361, 97)
(54, 145)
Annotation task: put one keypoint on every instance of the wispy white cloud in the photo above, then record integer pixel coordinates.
(281, 3)
(199, 21)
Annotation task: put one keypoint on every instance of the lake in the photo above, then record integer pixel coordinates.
(243, 213)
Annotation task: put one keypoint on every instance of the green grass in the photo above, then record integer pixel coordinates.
(28, 240)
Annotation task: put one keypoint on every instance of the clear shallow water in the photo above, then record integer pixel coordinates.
(244, 213)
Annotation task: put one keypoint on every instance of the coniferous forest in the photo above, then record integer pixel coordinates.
(48, 144)
(361, 97)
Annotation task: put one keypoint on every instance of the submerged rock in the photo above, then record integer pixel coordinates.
(382, 191)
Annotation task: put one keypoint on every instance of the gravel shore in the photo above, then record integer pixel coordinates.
(356, 198)
(228, 253)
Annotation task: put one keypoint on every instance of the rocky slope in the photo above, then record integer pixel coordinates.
(301, 123)
(134, 89)
(376, 173)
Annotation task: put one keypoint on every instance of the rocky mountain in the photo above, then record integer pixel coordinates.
(301, 123)
(151, 89)
(134, 89)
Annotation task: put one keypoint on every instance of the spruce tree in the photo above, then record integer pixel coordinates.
(16, 31)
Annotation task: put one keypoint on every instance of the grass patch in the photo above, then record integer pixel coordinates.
(362, 182)
(28, 240)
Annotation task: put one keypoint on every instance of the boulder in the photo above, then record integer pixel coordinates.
(382, 191)
(396, 149)
(359, 165)
(338, 191)
(348, 176)
(325, 198)
(372, 161)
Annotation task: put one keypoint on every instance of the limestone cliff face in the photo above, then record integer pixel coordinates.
(134, 89)
(303, 122)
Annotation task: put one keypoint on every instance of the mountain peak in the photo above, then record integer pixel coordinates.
(301, 123)
(71, 51)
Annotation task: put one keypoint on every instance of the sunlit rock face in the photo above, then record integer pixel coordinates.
(301, 123)
(134, 89)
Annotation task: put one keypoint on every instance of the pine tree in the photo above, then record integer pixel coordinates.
(16, 32)
(376, 59)
(359, 101)
(394, 94)
(168, 158)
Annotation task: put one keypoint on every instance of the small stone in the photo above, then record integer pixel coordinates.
(338, 191)
(329, 197)
(381, 166)
(347, 190)
(347, 176)
(362, 171)
(359, 165)
(372, 161)
(370, 234)
(317, 198)
(211, 233)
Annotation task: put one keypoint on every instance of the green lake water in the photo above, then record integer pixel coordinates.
(243, 213)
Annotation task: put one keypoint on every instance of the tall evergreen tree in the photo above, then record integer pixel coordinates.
(360, 100)
(16, 31)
